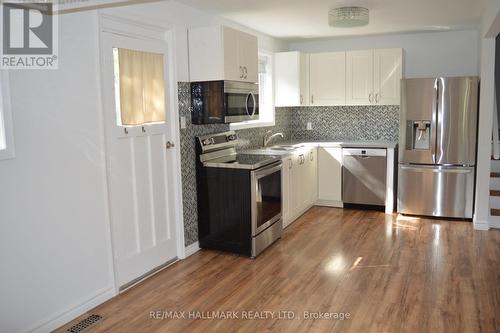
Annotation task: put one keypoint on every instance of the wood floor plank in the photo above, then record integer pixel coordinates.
(390, 273)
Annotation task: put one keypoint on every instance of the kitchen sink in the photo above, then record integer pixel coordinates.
(285, 148)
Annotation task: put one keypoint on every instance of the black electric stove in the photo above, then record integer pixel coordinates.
(239, 196)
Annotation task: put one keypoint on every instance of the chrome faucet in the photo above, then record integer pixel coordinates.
(267, 137)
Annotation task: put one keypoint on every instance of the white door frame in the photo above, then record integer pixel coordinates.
(129, 28)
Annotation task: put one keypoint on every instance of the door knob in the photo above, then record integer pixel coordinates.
(169, 145)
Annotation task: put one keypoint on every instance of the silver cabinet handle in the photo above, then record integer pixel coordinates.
(245, 72)
(370, 98)
(241, 72)
(377, 98)
(289, 163)
(169, 145)
(312, 99)
(311, 155)
(301, 99)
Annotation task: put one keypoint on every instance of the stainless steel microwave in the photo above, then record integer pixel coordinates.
(224, 102)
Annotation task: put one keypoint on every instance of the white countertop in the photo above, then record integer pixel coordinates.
(341, 144)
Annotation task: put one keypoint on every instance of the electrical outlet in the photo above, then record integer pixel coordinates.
(183, 122)
(309, 126)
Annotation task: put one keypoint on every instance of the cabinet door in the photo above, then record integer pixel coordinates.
(286, 190)
(327, 78)
(312, 176)
(388, 72)
(360, 78)
(287, 78)
(297, 184)
(248, 57)
(330, 174)
(230, 39)
(304, 79)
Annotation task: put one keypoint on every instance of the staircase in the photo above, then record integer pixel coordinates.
(495, 194)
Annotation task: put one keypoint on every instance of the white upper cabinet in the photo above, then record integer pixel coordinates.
(327, 78)
(222, 53)
(291, 79)
(373, 77)
(388, 72)
(359, 77)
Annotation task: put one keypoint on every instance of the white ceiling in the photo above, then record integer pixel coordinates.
(297, 19)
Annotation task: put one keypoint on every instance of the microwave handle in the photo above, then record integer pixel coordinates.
(254, 106)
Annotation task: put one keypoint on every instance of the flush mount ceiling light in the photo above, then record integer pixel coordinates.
(346, 17)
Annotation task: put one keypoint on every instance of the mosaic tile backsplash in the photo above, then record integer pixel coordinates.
(329, 123)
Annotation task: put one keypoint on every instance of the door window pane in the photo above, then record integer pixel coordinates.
(139, 87)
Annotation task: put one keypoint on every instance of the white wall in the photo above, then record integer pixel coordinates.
(451, 53)
(54, 251)
(490, 28)
(55, 254)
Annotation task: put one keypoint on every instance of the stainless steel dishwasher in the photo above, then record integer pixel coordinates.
(364, 176)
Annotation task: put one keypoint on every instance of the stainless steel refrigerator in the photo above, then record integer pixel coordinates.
(437, 143)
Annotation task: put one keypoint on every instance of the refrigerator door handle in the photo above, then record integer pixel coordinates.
(434, 118)
(430, 168)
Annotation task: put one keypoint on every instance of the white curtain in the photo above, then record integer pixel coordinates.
(142, 87)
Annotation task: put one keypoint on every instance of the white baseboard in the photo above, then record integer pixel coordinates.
(74, 312)
(329, 203)
(481, 225)
(192, 249)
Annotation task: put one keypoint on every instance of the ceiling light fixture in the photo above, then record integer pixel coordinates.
(346, 17)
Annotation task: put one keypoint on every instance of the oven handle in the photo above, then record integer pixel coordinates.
(266, 171)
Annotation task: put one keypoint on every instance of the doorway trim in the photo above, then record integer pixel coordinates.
(134, 29)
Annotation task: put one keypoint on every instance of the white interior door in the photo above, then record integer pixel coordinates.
(141, 173)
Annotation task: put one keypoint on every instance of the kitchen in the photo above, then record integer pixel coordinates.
(290, 163)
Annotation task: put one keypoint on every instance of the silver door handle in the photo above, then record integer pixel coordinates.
(311, 156)
(245, 71)
(376, 98)
(434, 120)
(312, 99)
(370, 97)
(241, 72)
(290, 163)
(301, 99)
(169, 145)
(424, 168)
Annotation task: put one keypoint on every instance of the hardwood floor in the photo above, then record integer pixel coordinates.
(389, 274)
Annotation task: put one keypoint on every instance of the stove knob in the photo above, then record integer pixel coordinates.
(208, 141)
(231, 137)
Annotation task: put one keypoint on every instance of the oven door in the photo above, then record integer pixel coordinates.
(241, 101)
(266, 197)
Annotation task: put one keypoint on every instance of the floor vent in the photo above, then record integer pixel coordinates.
(84, 324)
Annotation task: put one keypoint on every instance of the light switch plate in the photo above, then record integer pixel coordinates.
(183, 122)
(309, 126)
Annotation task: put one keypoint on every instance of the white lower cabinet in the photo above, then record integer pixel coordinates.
(330, 176)
(286, 189)
(299, 183)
